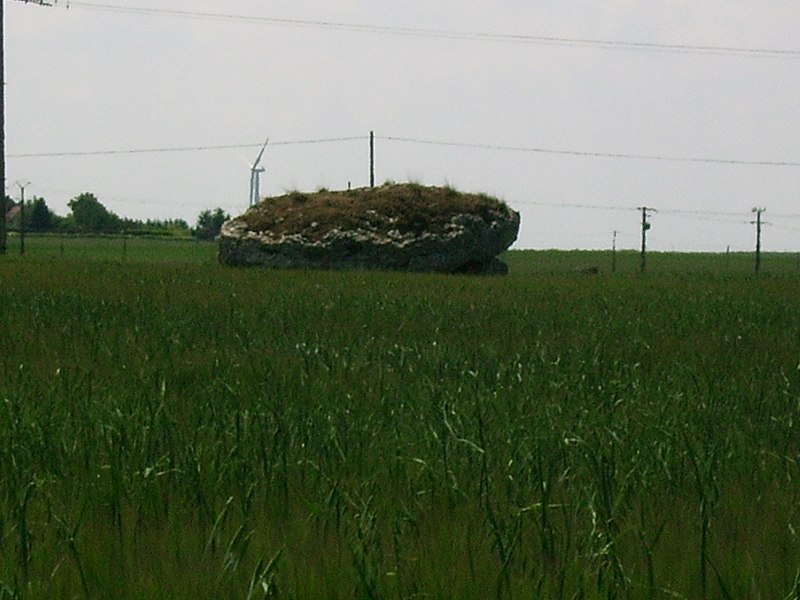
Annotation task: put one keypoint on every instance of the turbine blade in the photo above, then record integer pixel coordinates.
(260, 154)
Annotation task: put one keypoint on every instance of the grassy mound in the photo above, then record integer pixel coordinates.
(407, 208)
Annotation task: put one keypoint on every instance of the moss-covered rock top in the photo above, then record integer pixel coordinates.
(405, 208)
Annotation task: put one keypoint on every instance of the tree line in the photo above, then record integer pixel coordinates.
(88, 215)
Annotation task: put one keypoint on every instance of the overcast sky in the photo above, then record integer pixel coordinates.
(539, 123)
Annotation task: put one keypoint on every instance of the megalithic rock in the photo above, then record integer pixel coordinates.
(404, 227)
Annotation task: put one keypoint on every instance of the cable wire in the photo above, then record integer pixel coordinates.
(448, 34)
(571, 205)
(179, 148)
(411, 140)
(594, 154)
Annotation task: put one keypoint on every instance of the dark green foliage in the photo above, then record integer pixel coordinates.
(209, 223)
(90, 216)
(157, 227)
(41, 217)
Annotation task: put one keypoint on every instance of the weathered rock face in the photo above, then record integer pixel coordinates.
(404, 227)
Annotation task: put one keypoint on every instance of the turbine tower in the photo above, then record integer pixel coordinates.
(255, 176)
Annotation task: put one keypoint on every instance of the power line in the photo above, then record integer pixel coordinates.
(784, 216)
(572, 205)
(692, 211)
(695, 215)
(448, 34)
(681, 211)
(478, 146)
(595, 154)
(178, 148)
(700, 217)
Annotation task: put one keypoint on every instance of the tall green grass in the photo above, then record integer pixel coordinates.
(173, 426)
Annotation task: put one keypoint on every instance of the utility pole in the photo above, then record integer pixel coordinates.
(758, 224)
(372, 159)
(22, 185)
(3, 119)
(614, 252)
(645, 226)
(2, 133)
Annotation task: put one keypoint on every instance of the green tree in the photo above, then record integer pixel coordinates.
(209, 223)
(38, 217)
(90, 216)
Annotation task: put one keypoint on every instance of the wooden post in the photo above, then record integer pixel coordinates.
(371, 159)
(645, 227)
(758, 242)
(614, 252)
(758, 224)
(22, 185)
(22, 222)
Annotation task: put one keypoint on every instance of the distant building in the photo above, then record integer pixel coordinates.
(13, 212)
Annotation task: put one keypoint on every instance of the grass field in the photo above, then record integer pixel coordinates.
(521, 262)
(168, 425)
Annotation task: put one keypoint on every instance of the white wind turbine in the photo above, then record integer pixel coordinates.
(255, 176)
